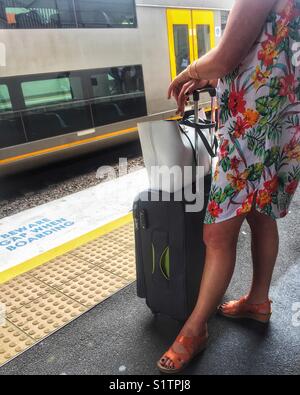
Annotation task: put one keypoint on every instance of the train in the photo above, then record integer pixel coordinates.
(77, 76)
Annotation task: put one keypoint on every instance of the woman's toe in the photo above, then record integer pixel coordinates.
(169, 364)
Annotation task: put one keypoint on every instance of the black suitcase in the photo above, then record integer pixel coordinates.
(170, 252)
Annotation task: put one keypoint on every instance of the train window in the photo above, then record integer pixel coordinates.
(24, 14)
(106, 14)
(11, 128)
(5, 103)
(57, 120)
(203, 37)
(182, 47)
(118, 94)
(57, 107)
(51, 91)
(58, 104)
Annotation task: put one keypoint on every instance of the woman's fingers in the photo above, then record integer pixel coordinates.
(182, 98)
(170, 91)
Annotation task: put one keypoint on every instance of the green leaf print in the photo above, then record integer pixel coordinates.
(255, 172)
(274, 131)
(274, 86)
(294, 174)
(231, 77)
(226, 164)
(294, 32)
(267, 105)
(229, 191)
(257, 141)
(224, 113)
(283, 46)
(271, 156)
(282, 181)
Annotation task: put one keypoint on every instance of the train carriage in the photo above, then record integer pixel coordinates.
(77, 75)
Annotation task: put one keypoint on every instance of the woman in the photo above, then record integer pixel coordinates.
(258, 169)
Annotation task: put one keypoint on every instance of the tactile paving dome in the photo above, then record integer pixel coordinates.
(61, 270)
(12, 342)
(47, 298)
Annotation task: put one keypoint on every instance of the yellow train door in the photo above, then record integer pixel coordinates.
(203, 32)
(191, 35)
(180, 39)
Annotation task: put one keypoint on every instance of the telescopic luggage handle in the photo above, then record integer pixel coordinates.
(209, 89)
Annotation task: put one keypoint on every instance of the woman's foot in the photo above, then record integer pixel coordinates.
(244, 308)
(189, 343)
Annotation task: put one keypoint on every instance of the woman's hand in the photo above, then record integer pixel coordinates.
(186, 90)
(183, 86)
(176, 86)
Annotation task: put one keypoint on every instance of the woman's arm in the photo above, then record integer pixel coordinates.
(244, 25)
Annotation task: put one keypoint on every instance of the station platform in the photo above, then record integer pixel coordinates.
(60, 259)
(79, 288)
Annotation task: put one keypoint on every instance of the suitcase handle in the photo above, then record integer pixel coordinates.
(209, 89)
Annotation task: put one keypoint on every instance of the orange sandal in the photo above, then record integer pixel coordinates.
(193, 346)
(242, 309)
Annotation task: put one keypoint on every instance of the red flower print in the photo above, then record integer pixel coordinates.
(272, 185)
(247, 205)
(234, 163)
(240, 127)
(214, 209)
(288, 87)
(282, 31)
(269, 51)
(288, 13)
(238, 182)
(236, 102)
(224, 149)
(260, 77)
(292, 187)
(264, 198)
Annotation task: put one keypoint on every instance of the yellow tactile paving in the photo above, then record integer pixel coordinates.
(12, 342)
(122, 265)
(100, 250)
(124, 234)
(45, 299)
(40, 318)
(21, 291)
(61, 270)
(93, 287)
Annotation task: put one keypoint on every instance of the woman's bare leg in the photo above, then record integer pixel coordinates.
(265, 244)
(221, 243)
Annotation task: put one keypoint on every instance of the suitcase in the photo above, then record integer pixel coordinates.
(170, 252)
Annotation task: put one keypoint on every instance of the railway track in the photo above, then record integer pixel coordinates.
(30, 189)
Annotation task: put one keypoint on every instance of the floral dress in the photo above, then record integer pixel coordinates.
(259, 153)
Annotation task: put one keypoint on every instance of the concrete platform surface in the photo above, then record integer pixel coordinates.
(120, 336)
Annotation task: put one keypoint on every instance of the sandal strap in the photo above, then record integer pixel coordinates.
(242, 305)
(178, 359)
(190, 344)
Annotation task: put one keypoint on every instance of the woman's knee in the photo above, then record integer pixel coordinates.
(215, 236)
(259, 221)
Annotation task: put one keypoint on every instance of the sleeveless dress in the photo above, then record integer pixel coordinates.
(259, 151)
